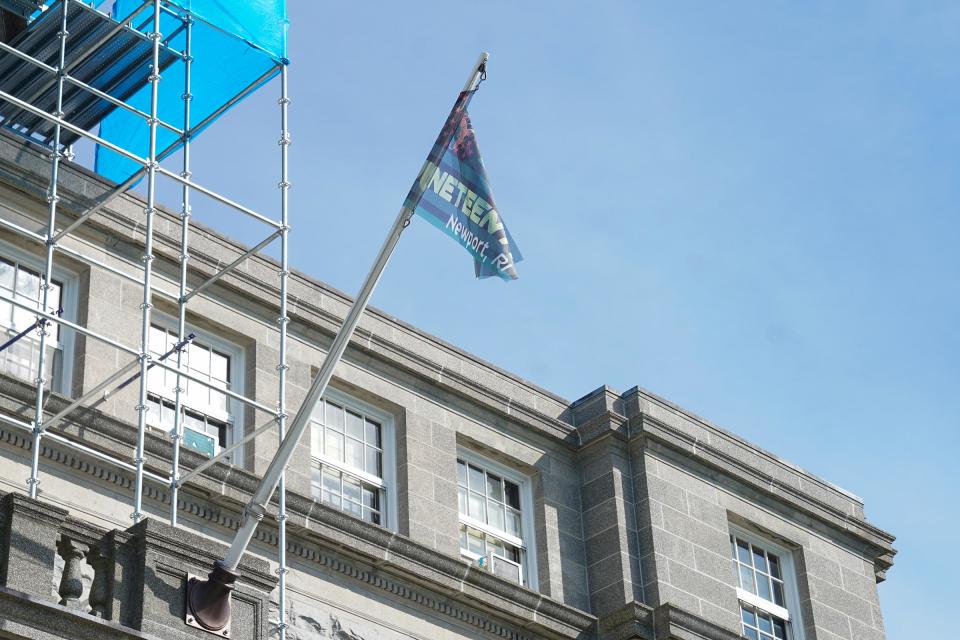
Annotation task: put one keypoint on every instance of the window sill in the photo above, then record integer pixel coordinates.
(764, 605)
(496, 533)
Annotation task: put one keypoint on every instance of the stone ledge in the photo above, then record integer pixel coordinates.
(638, 621)
(671, 622)
(22, 615)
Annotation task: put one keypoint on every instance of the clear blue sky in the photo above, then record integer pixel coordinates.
(750, 209)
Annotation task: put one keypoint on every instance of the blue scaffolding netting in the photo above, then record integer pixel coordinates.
(234, 48)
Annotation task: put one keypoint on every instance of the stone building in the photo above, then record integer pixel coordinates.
(435, 496)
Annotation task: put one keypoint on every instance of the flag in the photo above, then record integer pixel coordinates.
(452, 193)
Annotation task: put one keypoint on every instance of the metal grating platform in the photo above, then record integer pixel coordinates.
(115, 61)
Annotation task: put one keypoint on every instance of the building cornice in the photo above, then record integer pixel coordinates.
(873, 541)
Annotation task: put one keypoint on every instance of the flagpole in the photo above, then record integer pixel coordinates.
(208, 601)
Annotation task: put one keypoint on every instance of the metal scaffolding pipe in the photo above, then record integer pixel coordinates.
(282, 367)
(100, 455)
(113, 194)
(52, 198)
(150, 165)
(106, 382)
(177, 433)
(266, 426)
(216, 196)
(233, 265)
(147, 305)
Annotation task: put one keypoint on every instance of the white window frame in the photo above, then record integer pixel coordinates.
(69, 287)
(527, 544)
(388, 463)
(791, 597)
(235, 408)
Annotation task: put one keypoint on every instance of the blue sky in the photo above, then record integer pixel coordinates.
(750, 209)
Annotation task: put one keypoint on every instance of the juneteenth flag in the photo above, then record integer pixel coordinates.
(453, 194)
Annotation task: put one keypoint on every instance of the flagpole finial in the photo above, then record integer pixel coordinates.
(479, 70)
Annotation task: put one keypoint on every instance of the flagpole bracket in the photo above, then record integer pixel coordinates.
(208, 601)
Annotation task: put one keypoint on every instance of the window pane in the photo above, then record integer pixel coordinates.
(778, 593)
(200, 359)
(353, 508)
(478, 507)
(475, 542)
(513, 523)
(494, 487)
(219, 366)
(463, 537)
(22, 318)
(331, 480)
(495, 515)
(751, 633)
(331, 499)
(462, 473)
(743, 552)
(766, 624)
(351, 489)
(759, 561)
(354, 453)
(373, 433)
(462, 501)
(355, 425)
(373, 462)
(774, 565)
(746, 580)
(779, 629)
(334, 445)
(334, 417)
(763, 586)
(371, 498)
(218, 401)
(477, 482)
(28, 284)
(6, 275)
(512, 494)
(749, 617)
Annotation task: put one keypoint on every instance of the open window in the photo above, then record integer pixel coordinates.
(210, 418)
(496, 528)
(766, 588)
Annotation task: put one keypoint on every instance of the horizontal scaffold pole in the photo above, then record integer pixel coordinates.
(135, 158)
(134, 352)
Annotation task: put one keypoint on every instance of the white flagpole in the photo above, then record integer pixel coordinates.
(226, 571)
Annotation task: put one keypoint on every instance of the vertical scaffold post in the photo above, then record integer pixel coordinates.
(53, 199)
(177, 433)
(147, 304)
(282, 367)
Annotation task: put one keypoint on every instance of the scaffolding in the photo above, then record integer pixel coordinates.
(74, 69)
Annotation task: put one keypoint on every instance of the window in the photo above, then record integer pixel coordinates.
(766, 588)
(495, 514)
(352, 458)
(209, 415)
(20, 281)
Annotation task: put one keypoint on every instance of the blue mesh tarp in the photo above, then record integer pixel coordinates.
(235, 46)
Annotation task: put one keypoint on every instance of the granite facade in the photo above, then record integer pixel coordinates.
(630, 499)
